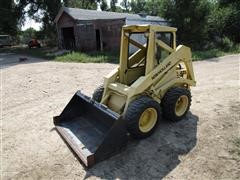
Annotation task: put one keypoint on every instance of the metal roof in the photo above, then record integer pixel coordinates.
(85, 14)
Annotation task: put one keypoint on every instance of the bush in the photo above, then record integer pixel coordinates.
(226, 44)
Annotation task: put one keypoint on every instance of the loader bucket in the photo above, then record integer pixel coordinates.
(93, 131)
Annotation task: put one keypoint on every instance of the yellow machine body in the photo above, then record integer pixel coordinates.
(152, 74)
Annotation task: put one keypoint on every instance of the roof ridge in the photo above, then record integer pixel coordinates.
(90, 14)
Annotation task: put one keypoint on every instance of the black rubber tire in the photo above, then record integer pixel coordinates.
(133, 113)
(98, 93)
(169, 101)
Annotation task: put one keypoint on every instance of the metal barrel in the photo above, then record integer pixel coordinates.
(93, 131)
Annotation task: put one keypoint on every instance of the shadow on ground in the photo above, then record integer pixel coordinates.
(8, 59)
(153, 157)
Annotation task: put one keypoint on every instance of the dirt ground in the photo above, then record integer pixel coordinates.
(198, 147)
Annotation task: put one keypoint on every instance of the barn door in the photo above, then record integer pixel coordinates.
(98, 40)
(68, 38)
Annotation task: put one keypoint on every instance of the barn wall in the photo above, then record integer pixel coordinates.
(111, 33)
(85, 33)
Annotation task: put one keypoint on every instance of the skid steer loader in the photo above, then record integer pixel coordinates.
(151, 83)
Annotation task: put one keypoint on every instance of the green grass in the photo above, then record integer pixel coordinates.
(93, 57)
(201, 55)
(100, 57)
(48, 54)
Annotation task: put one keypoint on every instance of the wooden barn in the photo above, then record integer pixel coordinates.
(91, 30)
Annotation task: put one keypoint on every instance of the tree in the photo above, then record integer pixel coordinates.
(138, 6)
(9, 17)
(126, 5)
(43, 11)
(113, 5)
(225, 20)
(216, 21)
(190, 17)
(50, 9)
(83, 4)
(28, 34)
(103, 5)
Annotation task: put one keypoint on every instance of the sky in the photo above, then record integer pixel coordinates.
(30, 23)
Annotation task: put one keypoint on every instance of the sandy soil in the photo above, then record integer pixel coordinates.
(198, 147)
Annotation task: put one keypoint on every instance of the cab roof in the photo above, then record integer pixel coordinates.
(147, 27)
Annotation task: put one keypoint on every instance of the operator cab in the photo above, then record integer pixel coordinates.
(143, 48)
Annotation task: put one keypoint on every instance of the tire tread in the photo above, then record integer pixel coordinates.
(169, 101)
(98, 93)
(134, 112)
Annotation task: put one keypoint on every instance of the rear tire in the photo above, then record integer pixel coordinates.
(176, 103)
(142, 117)
(98, 93)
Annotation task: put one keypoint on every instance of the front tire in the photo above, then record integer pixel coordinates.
(98, 93)
(176, 103)
(142, 117)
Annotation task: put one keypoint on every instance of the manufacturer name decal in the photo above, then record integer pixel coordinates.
(161, 70)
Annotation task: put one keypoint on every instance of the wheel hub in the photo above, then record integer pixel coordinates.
(148, 120)
(181, 105)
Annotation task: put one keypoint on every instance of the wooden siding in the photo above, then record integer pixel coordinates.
(85, 33)
(111, 33)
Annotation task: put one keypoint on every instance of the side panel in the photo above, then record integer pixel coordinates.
(182, 53)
